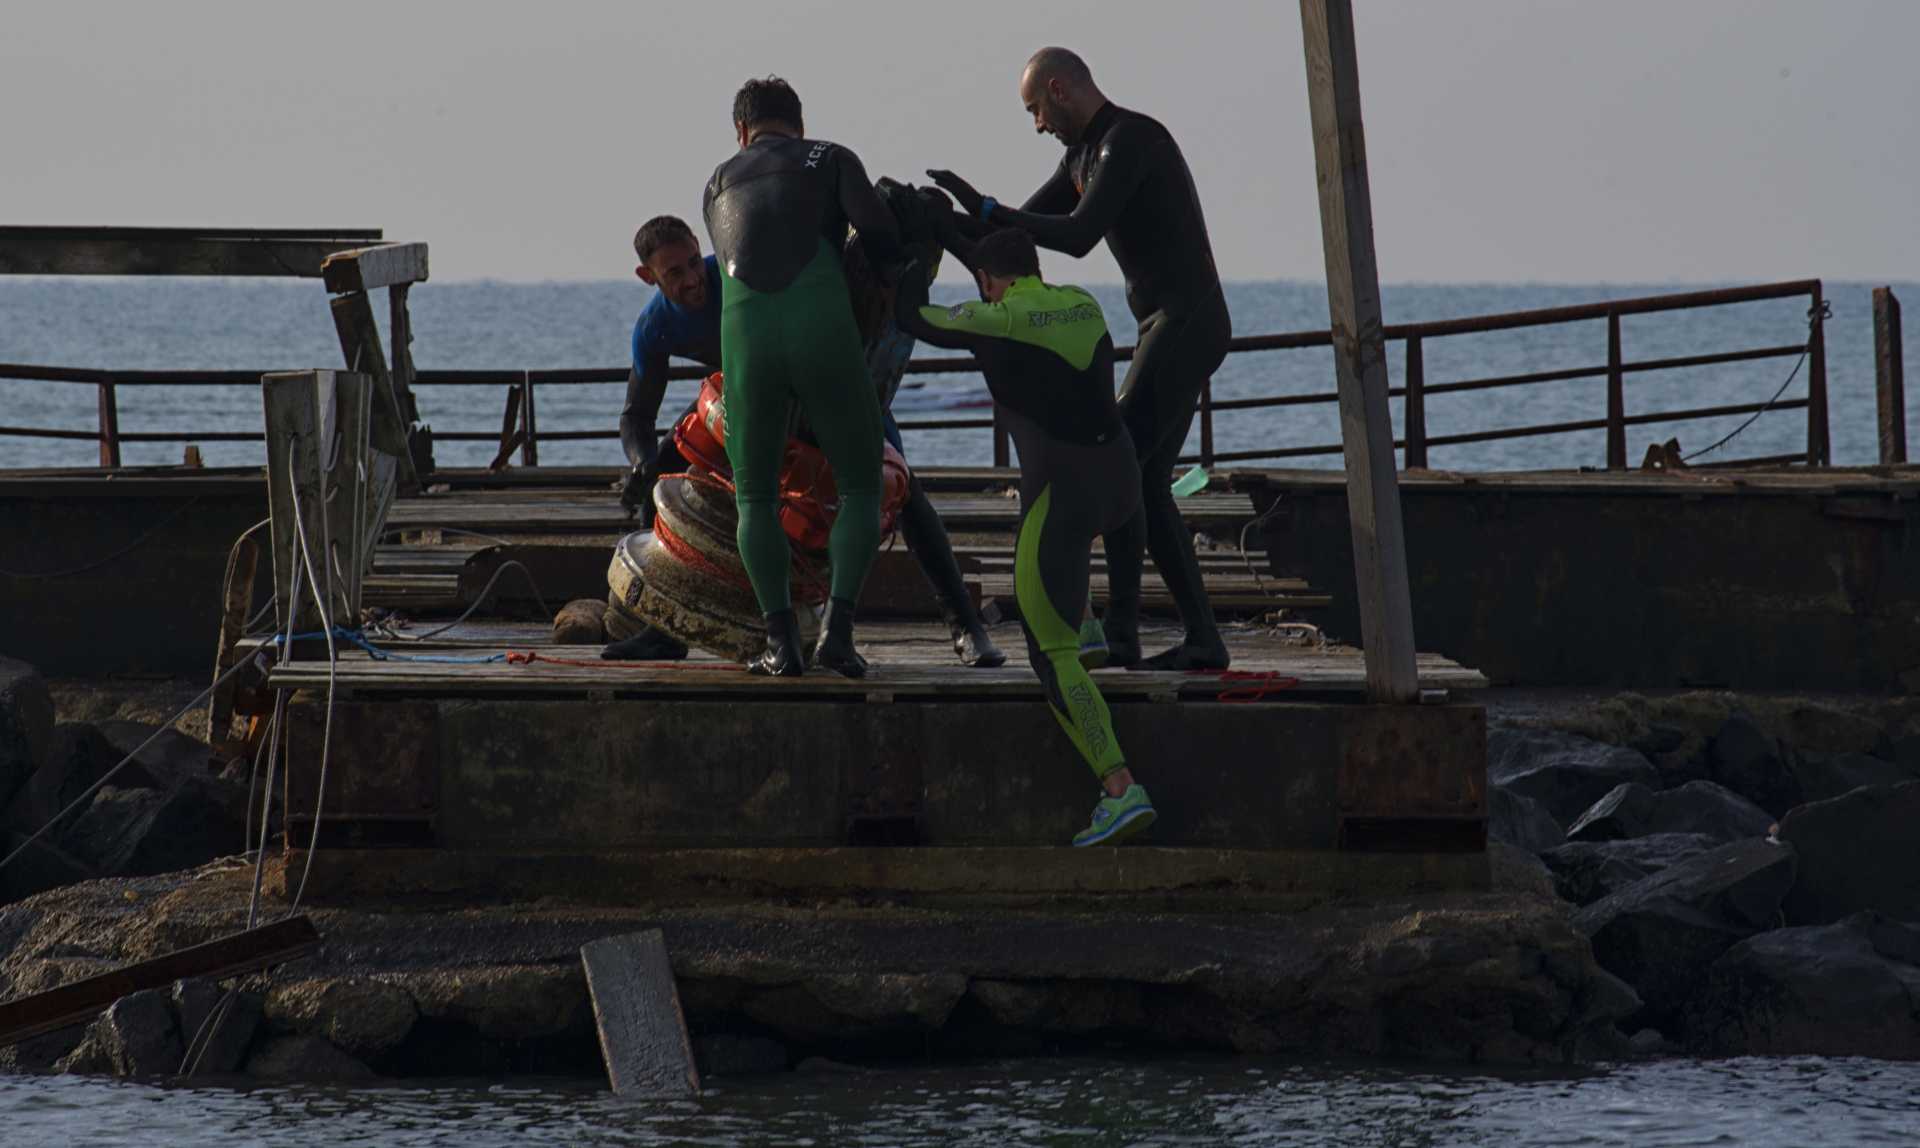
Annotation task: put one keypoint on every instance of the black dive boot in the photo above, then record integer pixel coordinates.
(785, 655)
(835, 649)
(971, 643)
(1122, 625)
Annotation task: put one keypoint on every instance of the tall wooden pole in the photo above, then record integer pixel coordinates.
(1359, 351)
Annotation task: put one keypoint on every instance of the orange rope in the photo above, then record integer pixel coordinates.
(1260, 683)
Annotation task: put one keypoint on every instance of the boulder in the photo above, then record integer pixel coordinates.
(223, 1043)
(26, 724)
(1513, 869)
(1660, 933)
(361, 1016)
(1856, 852)
(1563, 772)
(852, 1005)
(77, 756)
(138, 1036)
(139, 832)
(1752, 763)
(1585, 871)
(1633, 810)
(507, 1002)
(1521, 822)
(172, 756)
(303, 1058)
(1847, 989)
(1824, 776)
(42, 866)
(730, 1054)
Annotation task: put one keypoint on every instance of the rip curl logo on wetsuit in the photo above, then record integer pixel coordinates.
(1080, 314)
(1087, 717)
(813, 157)
(959, 311)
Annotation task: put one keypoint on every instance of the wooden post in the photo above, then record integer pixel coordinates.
(1818, 451)
(1206, 424)
(1414, 414)
(317, 446)
(1889, 370)
(529, 422)
(1359, 351)
(109, 425)
(1616, 398)
(643, 1034)
(237, 602)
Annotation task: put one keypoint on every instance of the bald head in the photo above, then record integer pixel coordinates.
(1058, 91)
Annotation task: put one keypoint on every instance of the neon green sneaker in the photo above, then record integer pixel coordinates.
(1093, 644)
(1117, 818)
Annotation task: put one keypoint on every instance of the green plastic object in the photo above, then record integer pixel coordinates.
(1192, 482)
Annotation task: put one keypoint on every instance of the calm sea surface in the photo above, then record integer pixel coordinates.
(272, 325)
(1168, 1101)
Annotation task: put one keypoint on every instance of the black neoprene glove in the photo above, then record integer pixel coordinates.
(962, 191)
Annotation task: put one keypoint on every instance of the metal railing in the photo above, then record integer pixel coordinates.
(520, 424)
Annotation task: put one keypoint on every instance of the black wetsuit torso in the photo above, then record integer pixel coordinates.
(1126, 182)
(769, 207)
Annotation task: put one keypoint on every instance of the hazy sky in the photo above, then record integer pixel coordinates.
(1548, 140)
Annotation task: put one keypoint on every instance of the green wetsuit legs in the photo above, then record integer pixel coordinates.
(1070, 494)
(799, 344)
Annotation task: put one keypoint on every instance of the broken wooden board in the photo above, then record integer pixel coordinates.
(636, 1007)
(226, 956)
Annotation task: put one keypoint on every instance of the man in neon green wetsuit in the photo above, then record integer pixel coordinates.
(778, 213)
(1048, 360)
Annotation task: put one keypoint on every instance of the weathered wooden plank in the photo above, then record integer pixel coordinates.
(1360, 365)
(1890, 377)
(370, 268)
(221, 957)
(243, 564)
(643, 1034)
(294, 437)
(170, 251)
(360, 345)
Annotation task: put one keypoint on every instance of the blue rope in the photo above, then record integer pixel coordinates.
(380, 655)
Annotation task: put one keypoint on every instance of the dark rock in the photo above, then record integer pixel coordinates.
(506, 1002)
(223, 1043)
(1824, 776)
(858, 1004)
(26, 724)
(361, 1016)
(1651, 1042)
(1585, 871)
(172, 757)
(88, 1058)
(42, 866)
(1561, 771)
(77, 756)
(303, 1058)
(141, 832)
(1521, 822)
(1856, 852)
(1746, 759)
(730, 1054)
(43, 1053)
(138, 1035)
(1660, 934)
(1633, 810)
(1846, 989)
(1513, 869)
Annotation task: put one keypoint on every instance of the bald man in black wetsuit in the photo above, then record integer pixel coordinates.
(1123, 179)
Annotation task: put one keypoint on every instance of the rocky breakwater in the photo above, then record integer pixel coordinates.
(1495, 977)
(171, 808)
(1747, 865)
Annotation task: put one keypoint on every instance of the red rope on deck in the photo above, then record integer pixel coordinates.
(1260, 683)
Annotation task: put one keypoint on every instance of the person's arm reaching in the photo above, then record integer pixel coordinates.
(976, 327)
(646, 387)
(1114, 181)
(879, 231)
(1056, 196)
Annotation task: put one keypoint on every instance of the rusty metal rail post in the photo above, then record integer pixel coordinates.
(1616, 398)
(1818, 451)
(1414, 410)
(529, 423)
(109, 425)
(1889, 374)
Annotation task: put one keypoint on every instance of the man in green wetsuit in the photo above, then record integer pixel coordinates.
(778, 213)
(1048, 359)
